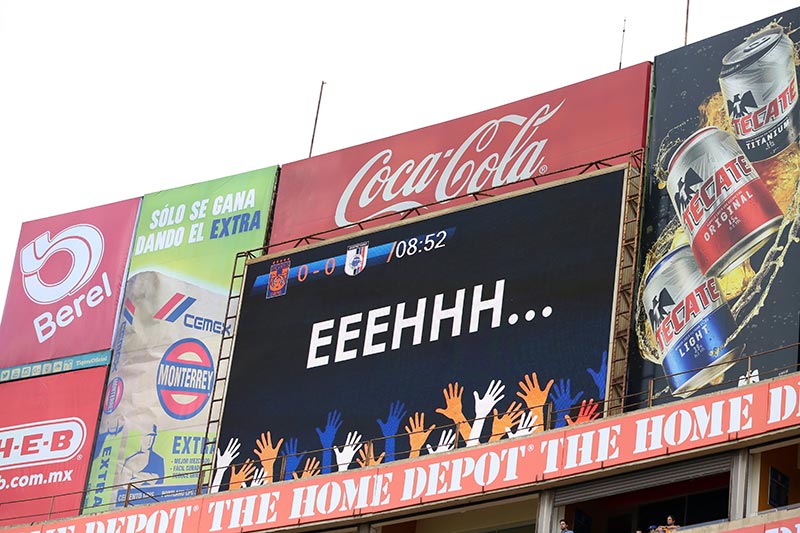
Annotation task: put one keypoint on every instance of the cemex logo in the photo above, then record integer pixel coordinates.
(40, 443)
(177, 307)
(56, 267)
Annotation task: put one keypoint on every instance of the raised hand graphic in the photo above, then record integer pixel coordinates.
(446, 441)
(310, 469)
(397, 410)
(267, 453)
(501, 423)
(258, 478)
(453, 409)
(483, 406)
(240, 477)
(291, 459)
(599, 376)
(587, 413)
(326, 438)
(417, 434)
(563, 401)
(534, 396)
(525, 427)
(344, 455)
(224, 460)
(367, 456)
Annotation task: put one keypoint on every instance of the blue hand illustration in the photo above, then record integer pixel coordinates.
(562, 401)
(326, 438)
(599, 376)
(291, 459)
(397, 410)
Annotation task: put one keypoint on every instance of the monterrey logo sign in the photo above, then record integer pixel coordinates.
(40, 443)
(185, 378)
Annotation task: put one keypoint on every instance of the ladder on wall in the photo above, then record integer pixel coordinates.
(217, 403)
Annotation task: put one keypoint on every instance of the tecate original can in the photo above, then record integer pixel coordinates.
(722, 203)
(690, 320)
(759, 84)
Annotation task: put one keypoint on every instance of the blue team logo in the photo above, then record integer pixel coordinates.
(185, 378)
(114, 395)
(356, 259)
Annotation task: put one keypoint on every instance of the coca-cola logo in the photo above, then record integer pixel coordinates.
(381, 186)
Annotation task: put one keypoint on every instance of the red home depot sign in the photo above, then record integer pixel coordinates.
(47, 427)
(568, 127)
(745, 412)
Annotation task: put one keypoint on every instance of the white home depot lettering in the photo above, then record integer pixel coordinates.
(695, 424)
(393, 189)
(323, 499)
(444, 477)
(235, 513)
(159, 521)
(581, 449)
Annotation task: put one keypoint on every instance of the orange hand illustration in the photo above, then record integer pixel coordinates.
(535, 398)
(367, 456)
(587, 413)
(243, 475)
(417, 435)
(531, 393)
(310, 469)
(267, 453)
(453, 409)
(501, 423)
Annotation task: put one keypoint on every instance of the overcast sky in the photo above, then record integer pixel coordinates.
(107, 100)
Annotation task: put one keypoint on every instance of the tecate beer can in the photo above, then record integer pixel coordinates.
(759, 84)
(722, 203)
(690, 320)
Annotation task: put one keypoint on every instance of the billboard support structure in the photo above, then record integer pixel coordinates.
(621, 319)
(623, 309)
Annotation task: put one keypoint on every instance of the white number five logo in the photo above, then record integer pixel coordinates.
(83, 242)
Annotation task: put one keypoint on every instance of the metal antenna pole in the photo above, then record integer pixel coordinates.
(316, 118)
(686, 30)
(622, 45)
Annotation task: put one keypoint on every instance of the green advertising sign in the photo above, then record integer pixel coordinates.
(165, 352)
(193, 233)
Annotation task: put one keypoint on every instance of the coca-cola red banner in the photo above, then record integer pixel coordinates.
(65, 285)
(47, 427)
(527, 141)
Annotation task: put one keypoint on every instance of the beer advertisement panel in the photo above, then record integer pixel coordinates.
(47, 427)
(719, 291)
(162, 374)
(464, 328)
(64, 294)
(527, 141)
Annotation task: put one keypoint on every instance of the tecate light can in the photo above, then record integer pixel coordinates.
(690, 320)
(759, 84)
(722, 203)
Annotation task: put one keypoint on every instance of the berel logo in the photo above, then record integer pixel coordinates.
(178, 306)
(82, 244)
(50, 441)
(53, 269)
